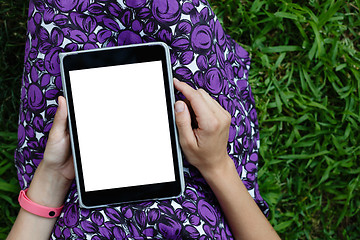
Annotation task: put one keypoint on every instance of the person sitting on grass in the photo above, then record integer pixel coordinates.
(216, 204)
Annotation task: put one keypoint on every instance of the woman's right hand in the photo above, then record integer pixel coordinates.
(205, 147)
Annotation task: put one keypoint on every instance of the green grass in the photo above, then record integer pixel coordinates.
(9, 186)
(306, 79)
(305, 76)
(12, 46)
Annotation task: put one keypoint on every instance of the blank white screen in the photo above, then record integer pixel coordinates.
(122, 125)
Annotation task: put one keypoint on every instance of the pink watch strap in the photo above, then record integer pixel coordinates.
(37, 209)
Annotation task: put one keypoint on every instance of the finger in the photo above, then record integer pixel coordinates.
(211, 102)
(215, 106)
(183, 123)
(207, 110)
(197, 102)
(60, 120)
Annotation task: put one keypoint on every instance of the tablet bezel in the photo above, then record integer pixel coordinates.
(113, 56)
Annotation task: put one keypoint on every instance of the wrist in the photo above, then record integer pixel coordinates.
(48, 188)
(224, 168)
(222, 179)
(37, 209)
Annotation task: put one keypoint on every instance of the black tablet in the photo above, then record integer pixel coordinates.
(122, 124)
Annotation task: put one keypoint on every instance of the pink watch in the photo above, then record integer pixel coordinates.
(37, 209)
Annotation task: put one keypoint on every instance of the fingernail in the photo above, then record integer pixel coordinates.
(179, 107)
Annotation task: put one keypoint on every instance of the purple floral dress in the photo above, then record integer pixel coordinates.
(201, 55)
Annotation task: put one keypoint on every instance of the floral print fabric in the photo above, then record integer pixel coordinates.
(201, 55)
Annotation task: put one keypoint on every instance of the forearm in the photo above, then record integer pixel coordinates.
(46, 189)
(243, 215)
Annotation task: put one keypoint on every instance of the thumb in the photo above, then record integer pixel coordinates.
(60, 120)
(183, 123)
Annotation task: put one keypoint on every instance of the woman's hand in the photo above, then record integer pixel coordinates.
(205, 147)
(55, 173)
(51, 181)
(57, 155)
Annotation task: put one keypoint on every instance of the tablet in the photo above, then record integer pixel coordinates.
(122, 124)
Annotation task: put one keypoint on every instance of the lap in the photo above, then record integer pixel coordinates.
(201, 55)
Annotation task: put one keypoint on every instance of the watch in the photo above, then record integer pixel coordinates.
(37, 209)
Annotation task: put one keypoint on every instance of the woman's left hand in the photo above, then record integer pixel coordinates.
(51, 181)
(57, 155)
(55, 172)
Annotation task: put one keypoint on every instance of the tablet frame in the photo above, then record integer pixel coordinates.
(112, 56)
